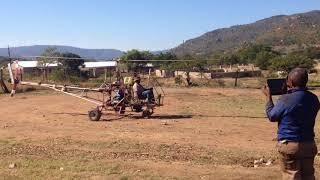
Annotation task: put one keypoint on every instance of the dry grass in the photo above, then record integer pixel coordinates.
(209, 134)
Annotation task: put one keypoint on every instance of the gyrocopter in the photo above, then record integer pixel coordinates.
(117, 96)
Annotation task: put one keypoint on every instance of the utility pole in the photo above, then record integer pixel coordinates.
(9, 54)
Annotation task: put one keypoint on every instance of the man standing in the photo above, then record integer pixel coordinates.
(295, 113)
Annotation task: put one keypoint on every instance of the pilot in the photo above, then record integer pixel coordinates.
(139, 92)
(119, 94)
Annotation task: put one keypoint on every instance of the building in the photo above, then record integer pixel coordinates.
(164, 73)
(32, 67)
(94, 68)
(193, 74)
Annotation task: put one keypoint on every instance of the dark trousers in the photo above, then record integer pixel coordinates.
(297, 160)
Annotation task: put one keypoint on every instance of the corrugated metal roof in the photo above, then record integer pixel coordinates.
(100, 64)
(149, 65)
(33, 64)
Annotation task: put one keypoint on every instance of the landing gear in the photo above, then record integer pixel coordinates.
(95, 115)
(147, 113)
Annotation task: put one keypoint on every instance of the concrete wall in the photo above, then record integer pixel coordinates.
(96, 72)
(194, 75)
(34, 71)
(164, 73)
(234, 74)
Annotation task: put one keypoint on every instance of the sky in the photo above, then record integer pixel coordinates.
(130, 24)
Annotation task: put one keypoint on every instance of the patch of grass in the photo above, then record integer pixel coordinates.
(124, 178)
(238, 105)
(67, 168)
(127, 150)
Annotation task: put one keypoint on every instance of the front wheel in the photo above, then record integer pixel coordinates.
(95, 115)
(146, 114)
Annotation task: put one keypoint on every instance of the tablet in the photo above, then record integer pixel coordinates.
(277, 86)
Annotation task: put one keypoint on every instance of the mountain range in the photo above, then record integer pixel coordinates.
(277, 31)
(24, 51)
(280, 31)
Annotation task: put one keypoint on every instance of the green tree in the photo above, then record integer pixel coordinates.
(249, 54)
(288, 62)
(47, 58)
(259, 55)
(167, 57)
(71, 66)
(312, 52)
(263, 59)
(136, 55)
(4, 61)
(216, 60)
(187, 63)
(230, 59)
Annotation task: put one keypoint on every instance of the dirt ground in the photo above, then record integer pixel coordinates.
(200, 133)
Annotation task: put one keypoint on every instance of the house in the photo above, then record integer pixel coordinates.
(94, 68)
(164, 73)
(32, 67)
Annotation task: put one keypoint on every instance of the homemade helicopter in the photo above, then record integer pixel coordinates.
(108, 97)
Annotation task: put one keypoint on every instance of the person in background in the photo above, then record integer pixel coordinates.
(295, 113)
(139, 92)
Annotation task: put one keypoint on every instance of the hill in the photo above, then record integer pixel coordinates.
(85, 53)
(282, 30)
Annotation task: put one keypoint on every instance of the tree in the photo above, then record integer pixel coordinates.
(312, 52)
(164, 56)
(216, 60)
(259, 55)
(249, 54)
(288, 62)
(4, 61)
(71, 66)
(231, 59)
(46, 60)
(263, 59)
(187, 64)
(136, 55)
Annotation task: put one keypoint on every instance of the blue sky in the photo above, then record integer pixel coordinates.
(130, 24)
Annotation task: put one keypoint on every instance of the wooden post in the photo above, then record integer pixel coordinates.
(21, 76)
(105, 75)
(110, 75)
(236, 80)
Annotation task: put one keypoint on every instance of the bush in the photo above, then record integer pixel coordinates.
(291, 61)
(313, 71)
(178, 79)
(220, 82)
(58, 76)
(75, 79)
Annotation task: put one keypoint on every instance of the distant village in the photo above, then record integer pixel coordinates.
(96, 69)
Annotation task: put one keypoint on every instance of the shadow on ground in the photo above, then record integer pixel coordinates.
(114, 117)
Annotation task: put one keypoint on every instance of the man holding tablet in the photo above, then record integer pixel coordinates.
(295, 113)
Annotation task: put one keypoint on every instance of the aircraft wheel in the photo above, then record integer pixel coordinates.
(146, 114)
(95, 115)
